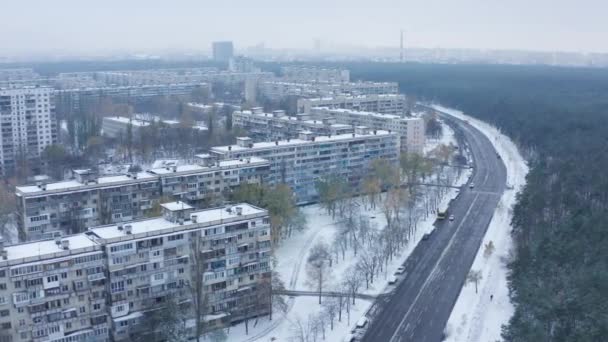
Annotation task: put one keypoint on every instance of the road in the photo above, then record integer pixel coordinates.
(420, 306)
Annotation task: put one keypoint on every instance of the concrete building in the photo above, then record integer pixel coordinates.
(18, 74)
(116, 127)
(27, 118)
(411, 130)
(101, 285)
(380, 103)
(301, 162)
(314, 74)
(47, 210)
(277, 90)
(223, 51)
(262, 126)
(54, 290)
(152, 259)
(72, 99)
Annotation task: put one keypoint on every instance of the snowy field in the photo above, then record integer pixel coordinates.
(479, 317)
(293, 253)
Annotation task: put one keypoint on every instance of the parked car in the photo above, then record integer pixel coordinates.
(392, 280)
(472, 185)
(451, 217)
(400, 270)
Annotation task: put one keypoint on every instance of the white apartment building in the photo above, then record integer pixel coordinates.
(73, 99)
(380, 103)
(301, 162)
(150, 260)
(315, 74)
(68, 207)
(53, 290)
(102, 285)
(277, 90)
(262, 126)
(411, 130)
(28, 125)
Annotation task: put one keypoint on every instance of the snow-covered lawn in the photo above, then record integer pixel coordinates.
(302, 309)
(477, 317)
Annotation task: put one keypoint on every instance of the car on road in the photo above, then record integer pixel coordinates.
(392, 280)
(451, 217)
(425, 237)
(361, 323)
(400, 270)
(471, 185)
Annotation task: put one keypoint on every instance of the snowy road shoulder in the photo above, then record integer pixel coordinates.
(479, 315)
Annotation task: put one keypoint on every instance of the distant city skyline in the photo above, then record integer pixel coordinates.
(76, 27)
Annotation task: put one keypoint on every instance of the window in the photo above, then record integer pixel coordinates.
(2, 286)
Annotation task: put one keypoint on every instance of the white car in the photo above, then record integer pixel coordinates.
(392, 280)
(400, 270)
(471, 186)
(451, 217)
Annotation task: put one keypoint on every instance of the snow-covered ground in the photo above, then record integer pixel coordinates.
(293, 253)
(447, 138)
(477, 317)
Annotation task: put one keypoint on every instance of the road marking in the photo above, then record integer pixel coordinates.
(428, 279)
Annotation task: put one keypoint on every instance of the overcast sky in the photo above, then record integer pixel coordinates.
(78, 26)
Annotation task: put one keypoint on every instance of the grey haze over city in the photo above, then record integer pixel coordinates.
(77, 27)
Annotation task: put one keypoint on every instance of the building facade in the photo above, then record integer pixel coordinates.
(102, 285)
(314, 74)
(301, 162)
(67, 207)
(394, 104)
(27, 119)
(277, 90)
(152, 260)
(53, 290)
(410, 129)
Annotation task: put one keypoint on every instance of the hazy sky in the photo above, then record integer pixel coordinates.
(101, 25)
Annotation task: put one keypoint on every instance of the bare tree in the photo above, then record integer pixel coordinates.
(474, 277)
(318, 267)
(331, 308)
(196, 285)
(488, 249)
(353, 281)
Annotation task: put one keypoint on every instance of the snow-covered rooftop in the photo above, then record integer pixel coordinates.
(48, 248)
(294, 142)
(160, 225)
(73, 185)
(361, 113)
(175, 206)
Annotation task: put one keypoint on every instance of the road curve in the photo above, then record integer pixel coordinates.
(420, 306)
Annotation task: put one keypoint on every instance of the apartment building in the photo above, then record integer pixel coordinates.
(73, 99)
(151, 260)
(410, 129)
(301, 162)
(277, 90)
(28, 125)
(47, 210)
(18, 74)
(222, 51)
(315, 74)
(262, 126)
(53, 290)
(394, 104)
(102, 284)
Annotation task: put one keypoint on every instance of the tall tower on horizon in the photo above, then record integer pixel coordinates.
(401, 48)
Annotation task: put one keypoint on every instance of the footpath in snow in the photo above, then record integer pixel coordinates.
(478, 317)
